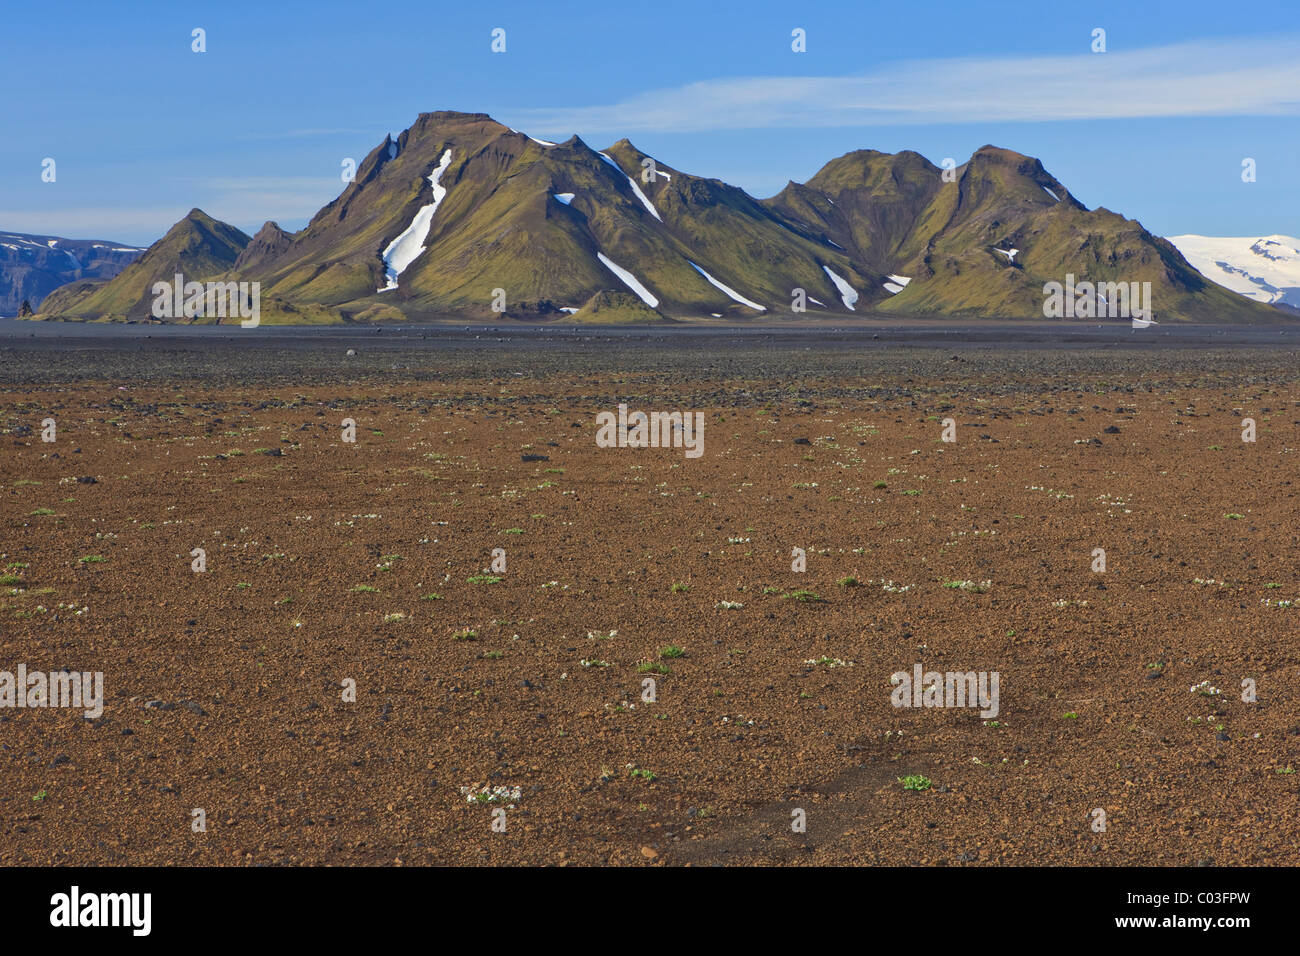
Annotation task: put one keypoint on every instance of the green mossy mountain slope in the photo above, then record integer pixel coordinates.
(198, 247)
(535, 222)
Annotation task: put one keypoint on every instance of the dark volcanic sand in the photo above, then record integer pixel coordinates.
(247, 658)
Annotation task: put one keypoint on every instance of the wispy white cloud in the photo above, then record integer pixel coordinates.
(118, 223)
(304, 133)
(243, 183)
(253, 206)
(1230, 77)
(246, 205)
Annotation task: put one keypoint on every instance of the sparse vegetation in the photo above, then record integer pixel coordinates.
(974, 587)
(825, 661)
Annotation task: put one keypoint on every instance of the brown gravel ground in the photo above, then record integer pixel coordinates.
(330, 561)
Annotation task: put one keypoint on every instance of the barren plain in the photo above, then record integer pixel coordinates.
(480, 689)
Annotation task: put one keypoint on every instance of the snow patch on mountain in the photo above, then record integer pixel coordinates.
(848, 295)
(1266, 269)
(635, 188)
(565, 198)
(401, 252)
(1052, 194)
(533, 138)
(629, 280)
(732, 293)
(896, 284)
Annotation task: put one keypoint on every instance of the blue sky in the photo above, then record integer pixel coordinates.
(142, 128)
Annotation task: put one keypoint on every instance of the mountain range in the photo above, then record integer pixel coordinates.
(31, 267)
(460, 214)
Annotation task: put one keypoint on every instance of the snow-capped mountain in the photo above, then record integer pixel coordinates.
(1265, 269)
(33, 266)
